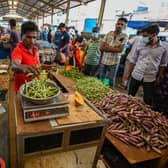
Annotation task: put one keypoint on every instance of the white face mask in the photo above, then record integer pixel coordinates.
(145, 40)
(95, 35)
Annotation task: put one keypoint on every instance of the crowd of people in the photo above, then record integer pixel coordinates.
(146, 62)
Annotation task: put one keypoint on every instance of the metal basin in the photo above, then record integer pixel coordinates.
(38, 100)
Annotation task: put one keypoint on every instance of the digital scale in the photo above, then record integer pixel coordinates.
(59, 107)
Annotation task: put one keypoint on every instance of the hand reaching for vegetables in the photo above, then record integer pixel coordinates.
(30, 69)
(21, 68)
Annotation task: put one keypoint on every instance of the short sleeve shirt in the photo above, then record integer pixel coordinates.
(15, 37)
(147, 60)
(65, 39)
(22, 53)
(93, 52)
(112, 58)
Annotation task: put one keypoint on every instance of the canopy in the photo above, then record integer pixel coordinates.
(142, 24)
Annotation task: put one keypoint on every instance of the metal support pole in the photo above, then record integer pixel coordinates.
(67, 12)
(52, 15)
(101, 12)
(43, 18)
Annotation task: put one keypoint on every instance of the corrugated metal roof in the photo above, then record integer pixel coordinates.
(33, 8)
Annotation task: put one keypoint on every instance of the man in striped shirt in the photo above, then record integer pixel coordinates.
(93, 54)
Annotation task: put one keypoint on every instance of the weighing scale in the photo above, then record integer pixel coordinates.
(59, 107)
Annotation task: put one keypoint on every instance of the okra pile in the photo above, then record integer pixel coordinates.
(40, 89)
(133, 122)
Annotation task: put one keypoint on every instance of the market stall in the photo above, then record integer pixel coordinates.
(138, 134)
(139, 149)
(82, 129)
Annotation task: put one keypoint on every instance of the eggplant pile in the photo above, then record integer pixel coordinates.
(133, 122)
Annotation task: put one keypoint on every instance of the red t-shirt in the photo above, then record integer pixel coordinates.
(27, 58)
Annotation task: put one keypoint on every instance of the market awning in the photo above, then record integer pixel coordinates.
(142, 24)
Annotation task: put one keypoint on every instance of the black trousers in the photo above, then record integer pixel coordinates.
(148, 89)
(91, 69)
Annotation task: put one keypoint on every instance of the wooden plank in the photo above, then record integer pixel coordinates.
(79, 114)
(133, 154)
(12, 128)
(66, 82)
(76, 115)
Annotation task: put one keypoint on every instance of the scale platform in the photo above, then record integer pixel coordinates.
(59, 107)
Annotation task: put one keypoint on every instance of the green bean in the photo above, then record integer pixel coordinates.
(93, 89)
(40, 89)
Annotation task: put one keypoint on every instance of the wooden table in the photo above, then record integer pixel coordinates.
(136, 155)
(84, 127)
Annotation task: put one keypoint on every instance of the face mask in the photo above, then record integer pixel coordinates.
(95, 35)
(145, 40)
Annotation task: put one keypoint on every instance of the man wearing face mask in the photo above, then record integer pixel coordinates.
(25, 56)
(112, 46)
(147, 64)
(93, 54)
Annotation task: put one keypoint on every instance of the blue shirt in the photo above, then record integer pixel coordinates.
(57, 38)
(45, 35)
(65, 39)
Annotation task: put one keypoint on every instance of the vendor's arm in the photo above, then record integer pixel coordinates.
(18, 67)
(21, 68)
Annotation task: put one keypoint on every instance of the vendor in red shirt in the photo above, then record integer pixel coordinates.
(25, 56)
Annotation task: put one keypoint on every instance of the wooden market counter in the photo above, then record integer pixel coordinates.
(77, 124)
(83, 127)
(138, 156)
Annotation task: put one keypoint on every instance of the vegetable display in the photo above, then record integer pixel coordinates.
(134, 123)
(93, 89)
(40, 89)
(75, 74)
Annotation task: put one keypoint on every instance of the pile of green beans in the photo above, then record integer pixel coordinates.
(75, 74)
(93, 89)
(40, 89)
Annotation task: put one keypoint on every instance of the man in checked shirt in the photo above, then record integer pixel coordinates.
(147, 64)
(112, 46)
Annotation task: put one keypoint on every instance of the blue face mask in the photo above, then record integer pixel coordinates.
(95, 35)
(145, 40)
